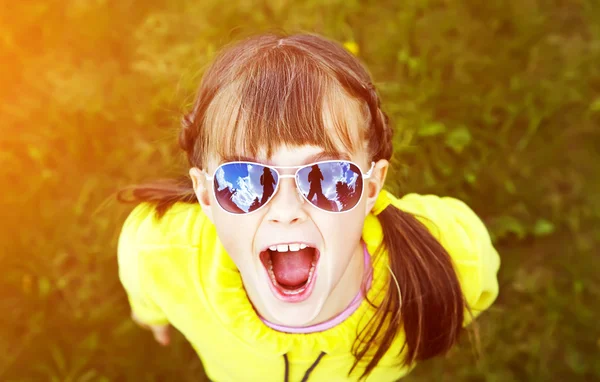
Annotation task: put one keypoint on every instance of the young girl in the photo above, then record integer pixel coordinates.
(281, 257)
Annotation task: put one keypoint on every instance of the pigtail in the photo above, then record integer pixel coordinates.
(164, 193)
(424, 296)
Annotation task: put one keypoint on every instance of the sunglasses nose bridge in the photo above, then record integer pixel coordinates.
(292, 183)
(286, 204)
(292, 176)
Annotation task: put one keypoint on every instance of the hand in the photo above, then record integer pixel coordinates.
(162, 333)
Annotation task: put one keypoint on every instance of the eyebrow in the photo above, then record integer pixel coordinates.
(323, 155)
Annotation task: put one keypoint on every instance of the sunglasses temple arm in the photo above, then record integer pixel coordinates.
(370, 172)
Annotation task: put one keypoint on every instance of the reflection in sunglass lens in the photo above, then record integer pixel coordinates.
(244, 187)
(331, 186)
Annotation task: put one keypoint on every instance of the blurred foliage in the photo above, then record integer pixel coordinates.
(495, 102)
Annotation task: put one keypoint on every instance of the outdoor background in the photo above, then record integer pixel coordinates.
(494, 102)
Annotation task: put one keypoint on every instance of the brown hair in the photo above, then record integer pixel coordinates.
(270, 90)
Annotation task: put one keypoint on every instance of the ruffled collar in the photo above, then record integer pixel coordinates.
(231, 306)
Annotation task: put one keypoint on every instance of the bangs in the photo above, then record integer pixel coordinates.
(282, 98)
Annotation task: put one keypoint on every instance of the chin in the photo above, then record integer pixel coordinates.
(290, 311)
(292, 315)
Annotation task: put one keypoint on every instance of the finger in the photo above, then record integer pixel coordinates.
(161, 334)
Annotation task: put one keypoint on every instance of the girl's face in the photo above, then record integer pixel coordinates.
(289, 219)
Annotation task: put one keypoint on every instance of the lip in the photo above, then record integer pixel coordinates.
(299, 297)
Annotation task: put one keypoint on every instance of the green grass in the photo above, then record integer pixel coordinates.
(497, 103)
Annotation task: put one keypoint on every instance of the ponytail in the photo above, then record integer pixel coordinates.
(424, 296)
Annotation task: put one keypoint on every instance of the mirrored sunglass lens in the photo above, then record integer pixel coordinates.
(331, 186)
(244, 187)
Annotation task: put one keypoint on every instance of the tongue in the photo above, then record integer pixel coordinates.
(291, 268)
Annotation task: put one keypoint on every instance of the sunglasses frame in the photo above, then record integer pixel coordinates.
(366, 175)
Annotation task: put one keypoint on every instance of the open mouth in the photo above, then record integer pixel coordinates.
(291, 270)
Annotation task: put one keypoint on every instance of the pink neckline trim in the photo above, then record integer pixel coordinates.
(354, 304)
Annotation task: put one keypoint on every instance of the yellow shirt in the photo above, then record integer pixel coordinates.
(176, 271)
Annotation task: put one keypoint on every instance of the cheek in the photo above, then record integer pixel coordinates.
(236, 234)
(341, 232)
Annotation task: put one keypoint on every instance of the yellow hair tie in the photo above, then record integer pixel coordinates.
(383, 200)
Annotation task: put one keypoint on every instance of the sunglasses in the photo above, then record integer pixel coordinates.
(243, 187)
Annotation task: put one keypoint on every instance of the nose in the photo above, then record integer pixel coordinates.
(287, 204)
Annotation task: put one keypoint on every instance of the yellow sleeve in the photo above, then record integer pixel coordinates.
(464, 236)
(132, 244)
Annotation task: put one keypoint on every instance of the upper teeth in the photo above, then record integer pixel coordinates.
(287, 247)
